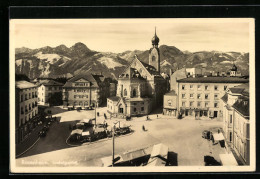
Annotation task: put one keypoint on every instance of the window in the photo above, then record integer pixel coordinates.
(29, 95)
(60, 88)
(134, 93)
(230, 119)
(206, 104)
(169, 102)
(75, 96)
(80, 96)
(22, 110)
(183, 96)
(134, 103)
(198, 104)
(49, 88)
(125, 92)
(206, 87)
(191, 95)
(49, 94)
(134, 109)
(216, 88)
(183, 104)
(153, 58)
(215, 105)
(215, 96)
(32, 94)
(198, 96)
(191, 103)
(29, 106)
(25, 96)
(21, 98)
(86, 96)
(206, 96)
(183, 87)
(142, 108)
(230, 136)
(199, 87)
(191, 86)
(225, 88)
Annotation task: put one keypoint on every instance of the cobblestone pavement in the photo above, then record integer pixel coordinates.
(183, 137)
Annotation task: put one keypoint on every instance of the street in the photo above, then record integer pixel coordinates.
(183, 137)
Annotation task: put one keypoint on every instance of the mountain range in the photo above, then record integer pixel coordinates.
(62, 61)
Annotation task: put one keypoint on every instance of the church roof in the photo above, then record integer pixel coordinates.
(150, 69)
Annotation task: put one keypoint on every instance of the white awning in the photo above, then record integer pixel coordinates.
(80, 124)
(228, 160)
(160, 150)
(156, 162)
(76, 131)
(107, 161)
(218, 136)
(85, 133)
(86, 120)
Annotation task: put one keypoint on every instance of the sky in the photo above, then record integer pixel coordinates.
(119, 35)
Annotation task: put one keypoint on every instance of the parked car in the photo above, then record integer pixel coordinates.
(42, 133)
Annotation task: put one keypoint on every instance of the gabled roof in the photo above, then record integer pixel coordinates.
(171, 93)
(24, 85)
(241, 89)
(242, 106)
(150, 69)
(50, 83)
(88, 77)
(225, 98)
(114, 98)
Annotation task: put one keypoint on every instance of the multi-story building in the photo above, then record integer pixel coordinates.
(140, 86)
(26, 109)
(236, 120)
(85, 91)
(169, 104)
(200, 96)
(48, 88)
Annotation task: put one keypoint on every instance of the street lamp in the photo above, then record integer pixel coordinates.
(113, 142)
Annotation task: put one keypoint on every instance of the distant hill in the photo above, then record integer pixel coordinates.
(62, 61)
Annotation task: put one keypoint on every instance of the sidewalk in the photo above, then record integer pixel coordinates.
(28, 142)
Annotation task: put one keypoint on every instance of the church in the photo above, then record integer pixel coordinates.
(140, 86)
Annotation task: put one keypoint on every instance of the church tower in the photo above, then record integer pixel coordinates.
(154, 53)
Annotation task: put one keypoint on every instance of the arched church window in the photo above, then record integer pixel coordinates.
(125, 92)
(134, 93)
(153, 58)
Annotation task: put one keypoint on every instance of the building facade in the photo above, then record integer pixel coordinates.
(236, 125)
(26, 109)
(201, 96)
(85, 91)
(169, 104)
(46, 89)
(140, 86)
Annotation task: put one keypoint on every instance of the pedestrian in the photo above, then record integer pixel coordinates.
(147, 118)
(157, 116)
(143, 128)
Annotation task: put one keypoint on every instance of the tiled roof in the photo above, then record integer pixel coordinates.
(242, 105)
(150, 69)
(51, 83)
(241, 89)
(88, 77)
(171, 93)
(225, 98)
(114, 98)
(24, 85)
(213, 79)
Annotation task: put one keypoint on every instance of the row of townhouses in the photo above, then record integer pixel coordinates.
(81, 91)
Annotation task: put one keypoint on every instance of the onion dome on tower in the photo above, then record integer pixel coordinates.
(234, 68)
(155, 39)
